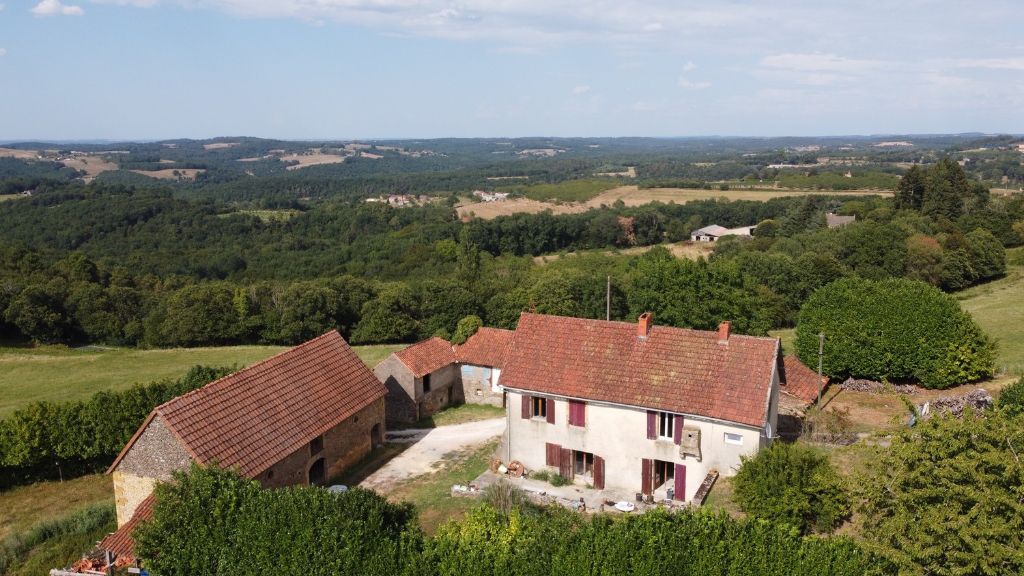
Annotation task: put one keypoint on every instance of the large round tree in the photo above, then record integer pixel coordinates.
(895, 329)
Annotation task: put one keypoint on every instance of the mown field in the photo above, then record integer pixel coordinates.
(999, 308)
(58, 373)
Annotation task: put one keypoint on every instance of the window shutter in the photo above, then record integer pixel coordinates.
(526, 407)
(577, 413)
(646, 469)
(581, 418)
(680, 477)
(677, 430)
(551, 410)
(652, 425)
(598, 473)
(565, 463)
(553, 454)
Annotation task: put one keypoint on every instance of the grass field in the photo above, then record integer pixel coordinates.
(635, 196)
(999, 308)
(58, 373)
(171, 173)
(570, 191)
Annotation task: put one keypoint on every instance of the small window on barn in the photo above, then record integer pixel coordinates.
(666, 425)
(540, 407)
(316, 445)
(426, 383)
(270, 474)
(731, 438)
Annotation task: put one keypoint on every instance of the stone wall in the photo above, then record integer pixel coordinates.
(343, 445)
(478, 387)
(155, 456)
(400, 401)
(445, 390)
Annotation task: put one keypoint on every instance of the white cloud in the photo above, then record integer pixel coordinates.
(989, 63)
(821, 63)
(689, 67)
(3, 52)
(691, 85)
(55, 7)
(582, 89)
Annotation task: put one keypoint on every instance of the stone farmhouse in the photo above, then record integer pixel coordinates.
(300, 417)
(637, 408)
(431, 375)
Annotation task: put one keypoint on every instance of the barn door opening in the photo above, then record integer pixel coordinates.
(317, 473)
(375, 436)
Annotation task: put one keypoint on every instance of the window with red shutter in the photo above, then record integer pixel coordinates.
(677, 430)
(652, 425)
(553, 455)
(526, 407)
(577, 413)
(551, 411)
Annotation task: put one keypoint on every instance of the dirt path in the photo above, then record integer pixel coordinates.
(429, 450)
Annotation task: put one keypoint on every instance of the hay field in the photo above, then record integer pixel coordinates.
(635, 196)
(219, 145)
(93, 166)
(313, 159)
(169, 173)
(686, 249)
(57, 373)
(19, 154)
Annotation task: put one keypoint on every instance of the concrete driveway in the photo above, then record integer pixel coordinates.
(429, 449)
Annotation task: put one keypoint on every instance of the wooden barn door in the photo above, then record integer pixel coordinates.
(646, 476)
(680, 488)
(565, 464)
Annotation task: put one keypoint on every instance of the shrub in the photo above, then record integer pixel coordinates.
(82, 521)
(947, 496)
(542, 475)
(559, 480)
(794, 484)
(504, 497)
(466, 328)
(894, 329)
(1011, 398)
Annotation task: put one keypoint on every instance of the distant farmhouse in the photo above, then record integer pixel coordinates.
(433, 374)
(836, 221)
(485, 196)
(713, 232)
(636, 407)
(298, 418)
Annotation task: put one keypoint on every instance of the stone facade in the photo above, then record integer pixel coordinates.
(481, 385)
(406, 401)
(156, 455)
(343, 445)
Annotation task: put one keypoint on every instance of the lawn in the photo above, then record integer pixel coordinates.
(569, 191)
(456, 415)
(58, 373)
(25, 506)
(999, 308)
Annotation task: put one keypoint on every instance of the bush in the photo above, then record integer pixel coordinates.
(542, 475)
(793, 484)
(559, 480)
(466, 328)
(211, 521)
(894, 329)
(947, 496)
(1011, 398)
(504, 497)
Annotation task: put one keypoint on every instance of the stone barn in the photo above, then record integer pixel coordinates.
(481, 359)
(298, 418)
(420, 380)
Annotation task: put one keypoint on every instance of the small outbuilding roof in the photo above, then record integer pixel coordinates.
(487, 347)
(801, 382)
(427, 356)
(712, 230)
(120, 542)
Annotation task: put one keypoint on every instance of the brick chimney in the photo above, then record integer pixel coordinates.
(643, 325)
(723, 332)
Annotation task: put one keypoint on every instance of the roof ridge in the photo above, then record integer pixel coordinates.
(653, 326)
(303, 346)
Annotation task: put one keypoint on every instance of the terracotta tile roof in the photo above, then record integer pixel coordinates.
(255, 417)
(800, 381)
(673, 369)
(120, 542)
(488, 347)
(428, 356)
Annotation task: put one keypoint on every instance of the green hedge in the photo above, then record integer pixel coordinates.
(893, 329)
(66, 434)
(214, 522)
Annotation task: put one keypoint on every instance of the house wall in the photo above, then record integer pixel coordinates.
(400, 404)
(619, 435)
(445, 390)
(154, 457)
(344, 445)
(478, 385)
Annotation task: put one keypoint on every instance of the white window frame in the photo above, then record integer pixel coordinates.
(733, 438)
(666, 426)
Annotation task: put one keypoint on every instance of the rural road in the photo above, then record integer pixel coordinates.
(429, 449)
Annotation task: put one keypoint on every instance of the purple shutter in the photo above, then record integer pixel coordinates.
(680, 483)
(551, 410)
(652, 425)
(526, 407)
(677, 430)
(646, 470)
(581, 418)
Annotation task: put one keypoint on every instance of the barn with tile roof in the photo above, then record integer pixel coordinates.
(300, 417)
(636, 407)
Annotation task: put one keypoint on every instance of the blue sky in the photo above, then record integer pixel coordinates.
(145, 69)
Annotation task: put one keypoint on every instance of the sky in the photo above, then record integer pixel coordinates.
(351, 69)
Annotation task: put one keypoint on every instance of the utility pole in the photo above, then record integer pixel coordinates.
(821, 354)
(608, 300)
